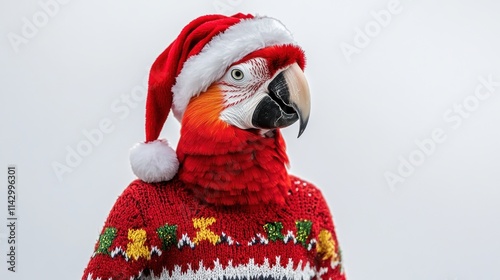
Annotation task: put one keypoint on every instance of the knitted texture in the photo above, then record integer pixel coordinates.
(162, 231)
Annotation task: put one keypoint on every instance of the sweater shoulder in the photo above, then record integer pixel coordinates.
(300, 185)
(143, 192)
(138, 187)
(304, 192)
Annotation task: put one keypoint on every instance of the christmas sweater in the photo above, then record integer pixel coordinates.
(161, 231)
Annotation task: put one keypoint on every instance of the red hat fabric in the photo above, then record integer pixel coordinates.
(199, 56)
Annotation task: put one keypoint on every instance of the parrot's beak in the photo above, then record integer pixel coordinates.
(288, 100)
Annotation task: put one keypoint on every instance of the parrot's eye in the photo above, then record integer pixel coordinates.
(237, 74)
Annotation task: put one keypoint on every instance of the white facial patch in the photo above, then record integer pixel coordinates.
(240, 114)
(244, 86)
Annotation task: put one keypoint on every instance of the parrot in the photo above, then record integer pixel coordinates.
(226, 206)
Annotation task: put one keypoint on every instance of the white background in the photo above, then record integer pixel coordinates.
(369, 108)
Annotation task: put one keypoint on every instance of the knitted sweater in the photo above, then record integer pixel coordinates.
(161, 231)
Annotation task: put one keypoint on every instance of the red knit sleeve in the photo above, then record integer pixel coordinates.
(121, 251)
(328, 258)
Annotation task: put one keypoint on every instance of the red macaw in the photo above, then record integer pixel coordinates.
(223, 206)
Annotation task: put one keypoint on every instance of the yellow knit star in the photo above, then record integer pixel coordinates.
(136, 247)
(204, 233)
(326, 245)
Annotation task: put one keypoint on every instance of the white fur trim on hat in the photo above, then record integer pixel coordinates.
(239, 40)
(154, 161)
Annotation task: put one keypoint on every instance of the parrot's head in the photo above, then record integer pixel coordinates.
(264, 91)
(233, 82)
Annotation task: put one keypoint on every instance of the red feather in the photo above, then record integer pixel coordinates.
(225, 165)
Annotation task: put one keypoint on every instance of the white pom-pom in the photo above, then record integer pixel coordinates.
(154, 161)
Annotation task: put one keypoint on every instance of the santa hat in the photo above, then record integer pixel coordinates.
(199, 56)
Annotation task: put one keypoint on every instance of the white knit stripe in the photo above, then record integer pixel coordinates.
(290, 236)
(239, 40)
(139, 276)
(89, 277)
(155, 250)
(118, 251)
(185, 241)
(246, 271)
(249, 270)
